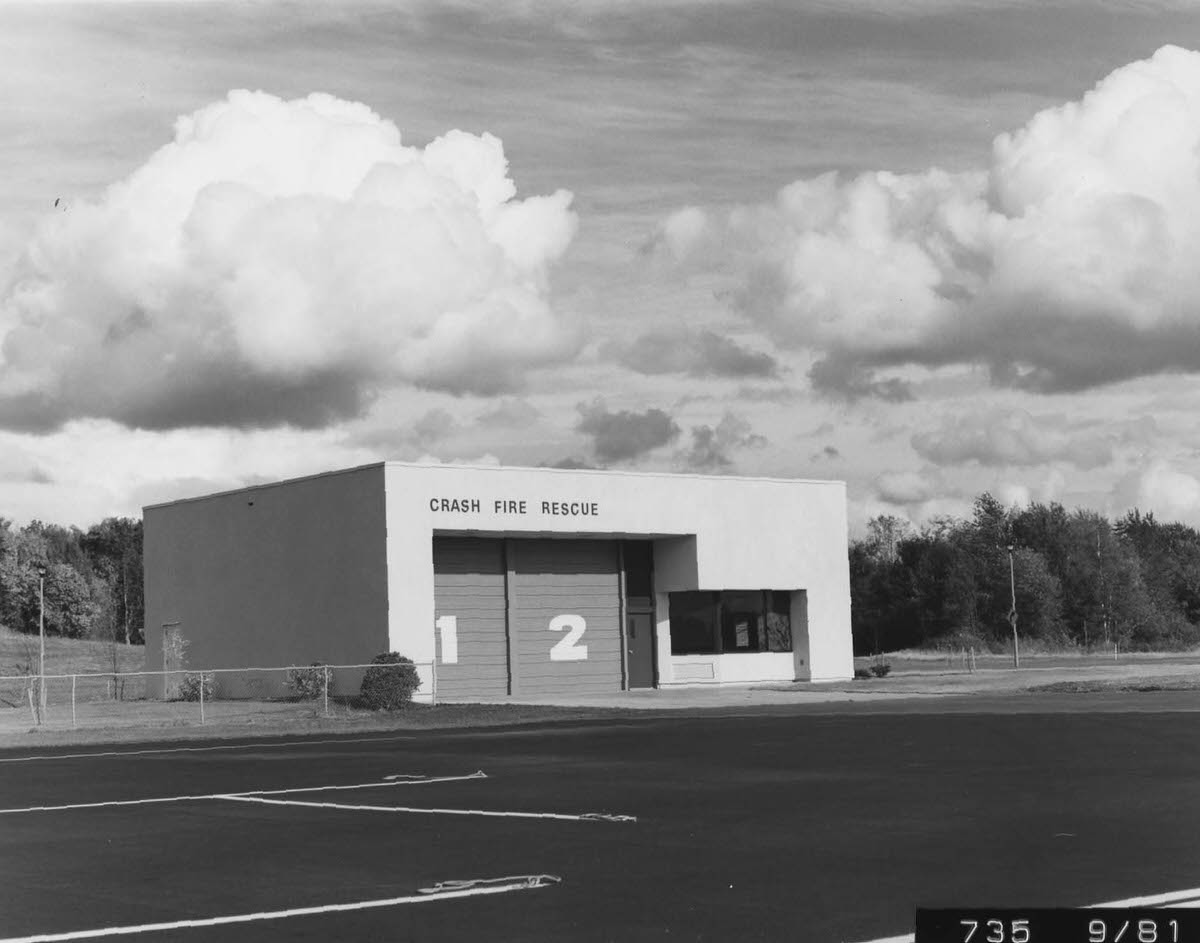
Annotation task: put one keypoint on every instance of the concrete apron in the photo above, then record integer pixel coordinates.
(684, 698)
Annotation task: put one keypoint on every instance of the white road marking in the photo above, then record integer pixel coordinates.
(1173, 899)
(1189, 899)
(479, 774)
(455, 889)
(904, 938)
(228, 746)
(583, 817)
(442, 887)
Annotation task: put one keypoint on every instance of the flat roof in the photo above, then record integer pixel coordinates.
(540, 469)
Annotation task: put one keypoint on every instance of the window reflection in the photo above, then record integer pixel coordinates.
(730, 621)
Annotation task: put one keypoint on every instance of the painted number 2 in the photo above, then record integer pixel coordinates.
(568, 647)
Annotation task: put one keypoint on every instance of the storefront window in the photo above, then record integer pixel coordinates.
(693, 623)
(728, 622)
(742, 622)
(778, 621)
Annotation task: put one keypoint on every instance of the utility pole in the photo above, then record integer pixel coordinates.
(42, 638)
(1012, 613)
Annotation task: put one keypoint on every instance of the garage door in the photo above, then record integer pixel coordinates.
(566, 605)
(468, 585)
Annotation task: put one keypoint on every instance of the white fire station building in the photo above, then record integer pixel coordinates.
(516, 581)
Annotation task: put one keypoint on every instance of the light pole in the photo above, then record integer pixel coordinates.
(1012, 613)
(42, 638)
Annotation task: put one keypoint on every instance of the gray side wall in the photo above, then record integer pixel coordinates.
(277, 575)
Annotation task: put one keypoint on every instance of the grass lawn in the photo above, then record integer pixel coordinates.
(67, 655)
(19, 657)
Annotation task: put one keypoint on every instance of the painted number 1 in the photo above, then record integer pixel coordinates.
(568, 647)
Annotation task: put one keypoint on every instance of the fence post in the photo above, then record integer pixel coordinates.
(73, 700)
(325, 678)
(201, 697)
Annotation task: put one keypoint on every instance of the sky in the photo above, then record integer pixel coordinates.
(926, 247)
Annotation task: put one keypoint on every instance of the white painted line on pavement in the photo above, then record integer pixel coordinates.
(1174, 898)
(581, 817)
(479, 774)
(470, 889)
(228, 746)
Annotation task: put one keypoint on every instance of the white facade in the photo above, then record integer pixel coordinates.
(709, 533)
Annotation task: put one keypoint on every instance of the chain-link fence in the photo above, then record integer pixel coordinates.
(193, 696)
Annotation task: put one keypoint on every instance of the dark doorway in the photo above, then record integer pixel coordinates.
(639, 635)
(638, 562)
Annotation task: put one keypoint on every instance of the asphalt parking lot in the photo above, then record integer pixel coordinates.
(782, 824)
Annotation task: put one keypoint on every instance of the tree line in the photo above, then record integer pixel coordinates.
(92, 579)
(1080, 581)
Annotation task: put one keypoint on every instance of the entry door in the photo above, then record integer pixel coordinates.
(639, 635)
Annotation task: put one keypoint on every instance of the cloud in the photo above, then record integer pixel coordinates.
(510, 413)
(621, 436)
(680, 234)
(696, 353)
(571, 462)
(1172, 494)
(1067, 263)
(487, 458)
(840, 375)
(1011, 437)
(279, 262)
(908, 487)
(711, 446)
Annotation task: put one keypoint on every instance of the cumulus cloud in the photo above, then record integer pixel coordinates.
(908, 487)
(695, 353)
(1070, 261)
(280, 262)
(571, 462)
(680, 234)
(1011, 437)
(510, 413)
(621, 436)
(487, 458)
(1171, 494)
(712, 446)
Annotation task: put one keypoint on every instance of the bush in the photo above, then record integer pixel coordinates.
(881, 669)
(191, 685)
(861, 673)
(308, 684)
(389, 684)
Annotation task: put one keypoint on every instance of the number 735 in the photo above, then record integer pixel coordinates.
(997, 931)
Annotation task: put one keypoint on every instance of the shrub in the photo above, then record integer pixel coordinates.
(389, 683)
(309, 683)
(861, 673)
(190, 686)
(880, 669)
